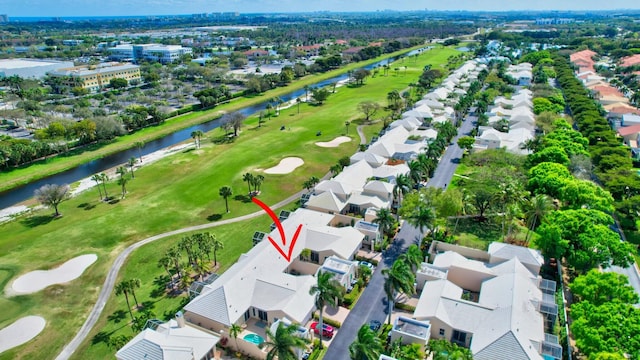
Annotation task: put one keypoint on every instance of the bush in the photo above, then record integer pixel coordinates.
(405, 307)
(335, 324)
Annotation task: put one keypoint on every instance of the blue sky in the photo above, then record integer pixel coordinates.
(160, 7)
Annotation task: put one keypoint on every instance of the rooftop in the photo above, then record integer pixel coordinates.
(26, 63)
(412, 327)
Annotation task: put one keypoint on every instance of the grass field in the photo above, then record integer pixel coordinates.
(178, 191)
(58, 164)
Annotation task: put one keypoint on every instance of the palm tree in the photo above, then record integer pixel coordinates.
(347, 123)
(203, 267)
(196, 135)
(327, 290)
(367, 345)
(384, 219)
(139, 145)
(283, 344)
(234, 331)
(402, 187)
(123, 183)
(423, 217)
(96, 178)
(134, 284)
(398, 277)
(165, 262)
(122, 288)
(132, 162)
(298, 101)
(257, 182)
(104, 178)
(536, 209)
(216, 244)
(173, 254)
(226, 193)
(416, 171)
(248, 177)
(121, 171)
(414, 257)
(335, 169)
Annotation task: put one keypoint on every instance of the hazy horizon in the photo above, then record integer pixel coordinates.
(70, 8)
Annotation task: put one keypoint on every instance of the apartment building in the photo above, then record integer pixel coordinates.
(163, 54)
(94, 78)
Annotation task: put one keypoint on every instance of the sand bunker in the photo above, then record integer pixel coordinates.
(335, 142)
(40, 279)
(285, 166)
(21, 331)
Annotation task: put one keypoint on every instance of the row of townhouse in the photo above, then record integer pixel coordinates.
(516, 114)
(521, 73)
(493, 302)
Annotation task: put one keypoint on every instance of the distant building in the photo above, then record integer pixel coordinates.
(95, 78)
(72, 42)
(163, 54)
(4, 18)
(30, 68)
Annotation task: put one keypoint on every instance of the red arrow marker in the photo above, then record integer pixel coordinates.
(283, 237)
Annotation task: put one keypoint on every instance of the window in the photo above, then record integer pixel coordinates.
(441, 332)
(459, 337)
(315, 257)
(263, 315)
(247, 315)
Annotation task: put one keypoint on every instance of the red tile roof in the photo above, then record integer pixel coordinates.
(629, 130)
(583, 58)
(624, 109)
(630, 60)
(607, 90)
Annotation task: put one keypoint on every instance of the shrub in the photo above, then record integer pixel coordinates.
(405, 307)
(335, 324)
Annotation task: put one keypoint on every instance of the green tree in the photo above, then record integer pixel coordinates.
(248, 177)
(367, 345)
(603, 287)
(104, 178)
(368, 109)
(122, 288)
(445, 350)
(398, 277)
(385, 221)
(197, 135)
(118, 83)
(226, 193)
(51, 195)
(328, 291)
(134, 284)
(216, 244)
(423, 217)
(123, 185)
(284, 343)
(320, 95)
(414, 257)
(96, 178)
(139, 145)
(235, 331)
(466, 142)
(132, 163)
(536, 209)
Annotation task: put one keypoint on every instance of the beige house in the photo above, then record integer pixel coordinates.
(492, 302)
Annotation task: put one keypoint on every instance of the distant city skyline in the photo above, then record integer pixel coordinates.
(61, 8)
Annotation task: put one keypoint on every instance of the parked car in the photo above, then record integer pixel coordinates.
(375, 325)
(368, 264)
(327, 330)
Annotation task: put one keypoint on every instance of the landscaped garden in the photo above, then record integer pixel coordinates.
(175, 192)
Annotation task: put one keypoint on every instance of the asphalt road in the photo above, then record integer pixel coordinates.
(452, 156)
(372, 304)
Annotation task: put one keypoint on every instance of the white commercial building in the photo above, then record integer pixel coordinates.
(30, 68)
(150, 52)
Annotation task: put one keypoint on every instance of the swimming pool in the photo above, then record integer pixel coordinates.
(254, 338)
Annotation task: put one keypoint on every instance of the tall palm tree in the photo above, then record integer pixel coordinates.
(122, 171)
(248, 177)
(283, 344)
(139, 145)
(216, 244)
(414, 257)
(327, 290)
(367, 345)
(402, 187)
(104, 178)
(123, 184)
(257, 182)
(398, 277)
(335, 169)
(132, 163)
(165, 262)
(535, 211)
(134, 284)
(416, 171)
(347, 123)
(174, 254)
(197, 135)
(96, 178)
(423, 217)
(384, 219)
(234, 331)
(226, 193)
(122, 288)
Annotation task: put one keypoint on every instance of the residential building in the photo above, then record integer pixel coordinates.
(72, 42)
(175, 339)
(492, 302)
(411, 331)
(305, 51)
(94, 78)
(30, 68)
(584, 59)
(343, 271)
(163, 54)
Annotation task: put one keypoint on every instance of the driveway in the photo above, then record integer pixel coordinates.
(373, 302)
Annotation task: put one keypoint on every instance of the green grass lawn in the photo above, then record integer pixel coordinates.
(41, 169)
(178, 191)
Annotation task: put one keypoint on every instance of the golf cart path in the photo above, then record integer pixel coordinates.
(109, 282)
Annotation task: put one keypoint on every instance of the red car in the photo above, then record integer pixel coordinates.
(327, 330)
